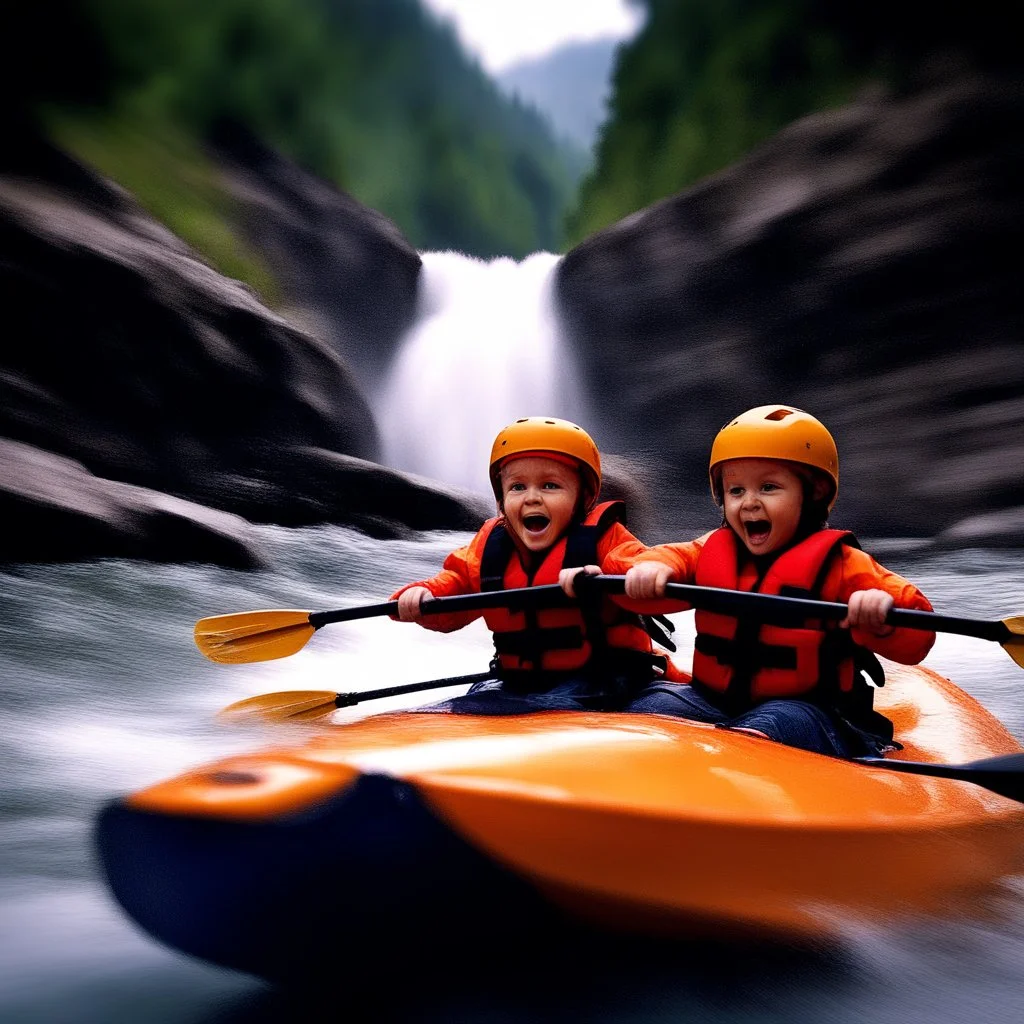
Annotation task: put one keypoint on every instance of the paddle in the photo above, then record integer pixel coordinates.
(1003, 775)
(242, 637)
(1008, 633)
(304, 705)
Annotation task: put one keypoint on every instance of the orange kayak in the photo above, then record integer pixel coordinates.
(639, 823)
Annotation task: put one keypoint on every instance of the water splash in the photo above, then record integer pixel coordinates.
(485, 350)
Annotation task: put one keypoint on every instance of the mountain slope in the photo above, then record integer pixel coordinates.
(705, 81)
(374, 96)
(570, 86)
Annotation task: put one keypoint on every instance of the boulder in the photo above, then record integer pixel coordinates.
(653, 513)
(1003, 529)
(55, 510)
(339, 488)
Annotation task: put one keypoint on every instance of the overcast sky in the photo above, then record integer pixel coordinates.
(502, 32)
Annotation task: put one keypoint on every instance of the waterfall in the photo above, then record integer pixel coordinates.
(484, 351)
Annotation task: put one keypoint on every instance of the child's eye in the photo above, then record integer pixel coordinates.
(735, 491)
(517, 487)
(769, 487)
(551, 485)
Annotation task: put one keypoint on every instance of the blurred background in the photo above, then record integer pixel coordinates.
(224, 226)
(274, 272)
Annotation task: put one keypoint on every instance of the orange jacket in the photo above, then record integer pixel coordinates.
(462, 575)
(850, 571)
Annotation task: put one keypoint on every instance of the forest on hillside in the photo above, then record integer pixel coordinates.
(705, 81)
(375, 96)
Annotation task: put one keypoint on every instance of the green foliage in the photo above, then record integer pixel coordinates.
(707, 80)
(172, 179)
(374, 95)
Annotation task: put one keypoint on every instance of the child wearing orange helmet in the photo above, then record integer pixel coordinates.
(546, 477)
(775, 472)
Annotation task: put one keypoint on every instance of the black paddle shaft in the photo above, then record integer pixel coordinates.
(785, 611)
(766, 607)
(347, 700)
(1003, 775)
(548, 595)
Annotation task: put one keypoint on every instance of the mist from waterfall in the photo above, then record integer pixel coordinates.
(485, 350)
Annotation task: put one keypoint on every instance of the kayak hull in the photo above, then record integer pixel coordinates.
(308, 894)
(508, 827)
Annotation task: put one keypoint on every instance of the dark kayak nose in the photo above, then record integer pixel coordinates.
(371, 873)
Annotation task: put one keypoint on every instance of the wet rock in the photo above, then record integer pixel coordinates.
(55, 510)
(345, 269)
(656, 509)
(382, 502)
(1003, 529)
(861, 265)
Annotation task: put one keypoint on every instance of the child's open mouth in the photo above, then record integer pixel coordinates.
(757, 530)
(535, 522)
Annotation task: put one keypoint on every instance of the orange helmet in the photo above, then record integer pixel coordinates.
(776, 432)
(545, 434)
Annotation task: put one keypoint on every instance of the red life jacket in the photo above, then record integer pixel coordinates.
(750, 662)
(586, 637)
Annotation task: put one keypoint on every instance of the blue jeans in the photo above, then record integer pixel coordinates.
(577, 693)
(796, 723)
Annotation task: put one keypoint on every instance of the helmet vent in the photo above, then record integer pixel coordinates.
(779, 414)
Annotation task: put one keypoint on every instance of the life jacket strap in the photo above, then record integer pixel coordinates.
(619, 662)
(660, 629)
(530, 643)
(523, 645)
(498, 549)
(758, 653)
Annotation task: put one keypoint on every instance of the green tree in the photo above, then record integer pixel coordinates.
(373, 95)
(707, 80)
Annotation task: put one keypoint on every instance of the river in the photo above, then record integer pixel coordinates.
(104, 692)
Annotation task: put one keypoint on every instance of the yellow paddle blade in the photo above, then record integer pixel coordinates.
(1014, 647)
(288, 704)
(253, 636)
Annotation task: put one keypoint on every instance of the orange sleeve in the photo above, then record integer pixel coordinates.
(857, 570)
(459, 575)
(616, 548)
(681, 558)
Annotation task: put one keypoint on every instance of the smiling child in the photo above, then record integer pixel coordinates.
(546, 477)
(775, 472)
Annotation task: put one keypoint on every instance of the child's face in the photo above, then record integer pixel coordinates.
(763, 499)
(539, 497)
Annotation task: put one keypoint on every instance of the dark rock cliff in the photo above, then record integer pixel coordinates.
(343, 267)
(862, 265)
(128, 355)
